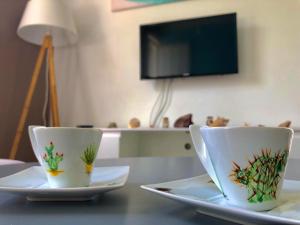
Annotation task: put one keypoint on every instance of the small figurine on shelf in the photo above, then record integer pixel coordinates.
(184, 121)
(218, 122)
(285, 124)
(165, 122)
(112, 125)
(209, 120)
(134, 123)
(85, 126)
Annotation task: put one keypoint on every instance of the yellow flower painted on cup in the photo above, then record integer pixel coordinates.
(88, 157)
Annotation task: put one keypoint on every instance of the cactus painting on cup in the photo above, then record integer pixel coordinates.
(262, 175)
(88, 157)
(53, 160)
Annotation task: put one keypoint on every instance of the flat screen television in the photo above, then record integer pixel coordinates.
(194, 47)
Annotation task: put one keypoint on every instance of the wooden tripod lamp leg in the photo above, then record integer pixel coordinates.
(27, 103)
(53, 93)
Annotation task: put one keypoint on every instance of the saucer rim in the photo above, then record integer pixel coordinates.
(212, 209)
(100, 187)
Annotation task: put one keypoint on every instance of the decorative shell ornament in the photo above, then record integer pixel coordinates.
(112, 125)
(285, 124)
(134, 123)
(184, 121)
(218, 122)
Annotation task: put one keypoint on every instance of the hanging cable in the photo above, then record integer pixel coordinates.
(165, 101)
(161, 104)
(156, 106)
(168, 99)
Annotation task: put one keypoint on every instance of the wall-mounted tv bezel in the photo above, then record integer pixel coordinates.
(234, 39)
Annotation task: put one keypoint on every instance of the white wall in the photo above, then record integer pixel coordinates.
(98, 80)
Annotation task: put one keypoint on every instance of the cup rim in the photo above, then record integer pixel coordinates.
(66, 128)
(243, 127)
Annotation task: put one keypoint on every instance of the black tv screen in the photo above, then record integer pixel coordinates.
(186, 48)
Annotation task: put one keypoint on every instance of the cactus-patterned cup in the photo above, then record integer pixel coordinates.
(247, 164)
(66, 154)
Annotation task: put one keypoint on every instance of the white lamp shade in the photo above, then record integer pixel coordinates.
(42, 17)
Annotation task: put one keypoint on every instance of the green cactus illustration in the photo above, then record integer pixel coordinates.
(88, 157)
(261, 176)
(52, 160)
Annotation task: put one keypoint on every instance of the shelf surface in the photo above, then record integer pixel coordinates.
(147, 129)
(144, 129)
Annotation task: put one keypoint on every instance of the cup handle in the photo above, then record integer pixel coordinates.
(203, 154)
(34, 143)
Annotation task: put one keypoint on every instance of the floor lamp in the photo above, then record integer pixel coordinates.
(47, 23)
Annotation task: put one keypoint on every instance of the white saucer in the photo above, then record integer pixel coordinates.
(32, 183)
(9, 162)
(202, 193)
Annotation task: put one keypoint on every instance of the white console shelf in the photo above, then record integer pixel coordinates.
(141, 142)
(144, 129)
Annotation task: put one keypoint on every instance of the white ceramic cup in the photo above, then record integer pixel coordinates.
(247, 164)
(66, 154)
(33, 142)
